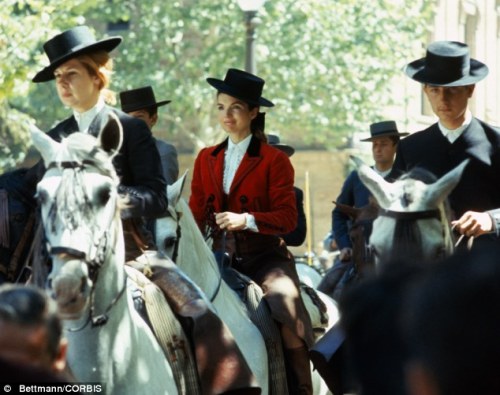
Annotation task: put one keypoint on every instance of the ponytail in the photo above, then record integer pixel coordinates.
(258, 126)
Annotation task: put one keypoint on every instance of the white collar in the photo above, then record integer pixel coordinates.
(242, 146)
(84, 119)
(382, 173)
(453, 134)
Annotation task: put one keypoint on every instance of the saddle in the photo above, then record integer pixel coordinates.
(151, 304)
(252, 296)
(239, 283)
(216, 361)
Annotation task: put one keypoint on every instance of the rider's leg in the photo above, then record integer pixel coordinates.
(297, 363)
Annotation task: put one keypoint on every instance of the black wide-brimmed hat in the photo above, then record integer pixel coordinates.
(384, 129)
(274, 140)
(69, 44)
(447, 63)
(243, 86)
(137, 99)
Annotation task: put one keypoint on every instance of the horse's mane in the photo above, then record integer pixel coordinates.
(196, 247)
(419, 174)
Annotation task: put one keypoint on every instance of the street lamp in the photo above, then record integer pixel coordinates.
(250, 8)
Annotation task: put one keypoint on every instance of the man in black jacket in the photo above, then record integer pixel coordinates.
(448, 75)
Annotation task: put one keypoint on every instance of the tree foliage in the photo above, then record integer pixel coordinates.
(327, 63)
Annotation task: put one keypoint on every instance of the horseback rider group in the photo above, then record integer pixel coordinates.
(242, 191)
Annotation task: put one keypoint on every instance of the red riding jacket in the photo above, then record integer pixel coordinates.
(262, 186)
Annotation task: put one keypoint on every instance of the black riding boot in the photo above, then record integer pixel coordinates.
(298, 371)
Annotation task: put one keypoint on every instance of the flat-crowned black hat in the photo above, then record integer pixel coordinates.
(274, 140)
(71, 43)
(243, 86)
(137, 99)
(447, 63)
(384, 129)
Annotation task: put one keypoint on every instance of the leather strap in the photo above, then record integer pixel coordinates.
(11, 271)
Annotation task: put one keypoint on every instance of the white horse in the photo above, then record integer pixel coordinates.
(178, 236)
(109, 342)
(413, 221)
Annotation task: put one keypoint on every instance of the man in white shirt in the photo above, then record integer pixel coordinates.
(448, 75)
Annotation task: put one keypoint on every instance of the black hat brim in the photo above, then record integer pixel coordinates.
(47, 73)
(285, 148)
(390, 134)
(417, 71)
(136, 107)
(221, 86)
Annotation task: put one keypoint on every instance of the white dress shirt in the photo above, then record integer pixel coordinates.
(84, 119)
(233, 156)
(453, 134)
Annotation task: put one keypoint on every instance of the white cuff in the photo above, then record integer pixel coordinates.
(251, 225)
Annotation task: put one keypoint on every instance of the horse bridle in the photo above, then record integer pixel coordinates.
(94, 264)
(411, 215)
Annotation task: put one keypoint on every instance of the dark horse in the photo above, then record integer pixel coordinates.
(18, 224)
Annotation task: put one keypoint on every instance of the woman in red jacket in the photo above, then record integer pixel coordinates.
(242, 197)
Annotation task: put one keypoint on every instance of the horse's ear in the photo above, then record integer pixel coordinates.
(376, 184)
(174, 191)
(111, 135)
(350, 211)
(439, 190)
(46, 145)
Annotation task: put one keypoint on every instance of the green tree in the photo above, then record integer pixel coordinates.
(327, 63)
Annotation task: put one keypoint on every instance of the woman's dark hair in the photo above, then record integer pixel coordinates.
(258, 124)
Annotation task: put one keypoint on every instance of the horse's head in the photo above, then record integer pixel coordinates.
(412, 222)
(167, 228)
(79, 208)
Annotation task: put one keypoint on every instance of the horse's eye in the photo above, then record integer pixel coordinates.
(103, 194)
(169, 242)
